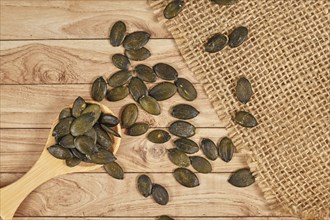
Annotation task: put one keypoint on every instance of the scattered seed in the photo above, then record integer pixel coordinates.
(184, 111)
(117, 93)
(136, 40)
(186, 145)
(182, 129)
(163, 91)
(186, 89)
(242, 178)
(120, 78)
(225, 2)
(209, 149)
(114, 170)
(160, 194)
(137, 88)
(237, 36)
(150, 105)
(165, 71)
(216, 43)
(138, 55)
(102, 157)
(120, 61)
(137, 129)
(200, 164)
(245, 119)
(144, 185)
(145, 73)
(173, 9)
(159, 136)
(129, 115)
(99, 88)
(226, 149)
(117, 33)
(243, 90)
(186, 177)
(178, 158)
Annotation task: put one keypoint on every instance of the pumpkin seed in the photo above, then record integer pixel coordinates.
(178, 158)
(160, 194)
(109, 120)
(159, 136)
(129, 115)
(65, 113)
(163, 91)
(226, 149)
(209, 149)
(186, 89)
(120, 78)
(120, 61)
(62, 128)
(99, 88)
(85, 145)
(200, 164)
(79, 155)
(117, 33)
(150, 105)
(92, 134)
(245, 119)
(136, 40)
(78, 106)
(83, 123)
(165, 217)
(225, 2)
(173, 9)
(114, 170)
(117, 93)
(67, 141)
(184, 111)
(102, 157)
(241, 178)
(237, 36)
(93, 108)
(145, 73)
(216, 43)
(243, 90)
(110, 131)
(138, 55)
(103, 138)
(186, 177)
(165, 71)
(186, 145)
(144, 185)
(74, 161)
(182, 129)
(137, 129)
(60, 152)
(137, 88)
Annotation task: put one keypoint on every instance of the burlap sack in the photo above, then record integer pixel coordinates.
(287, 59)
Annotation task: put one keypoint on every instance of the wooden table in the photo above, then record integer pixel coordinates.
(51, 51)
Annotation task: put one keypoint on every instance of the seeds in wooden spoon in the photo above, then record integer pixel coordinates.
(226, 149)
(117, 33)
(109, 120)
(144, 185)
(136, 40)
(216, 43)
(117, 93)
(119, 78)
(65, 113)
(186, 89)
(242, 178)
(114, 170)
(60, 152)
(74, 161)
(182, 129)
(225, 2)
(103, 138)
(186, 145)
(99, 88)
(83, 123)
(137, 129)
(145, 73)
(209, 149)
(159, 136)
(120, 61)
(92, 134)
(178, 158)
(165, 71)
(173, 9)
(110, 131)
(160, 194)
(237, 36)
(129, 115)
(102, 157)
(63, 127)
(78, 154)
(163, 91)
(186, 177)
(150, 105)
(243, 90)
(200, 164)
(138, 55)
(67, 141)
(184, 111)
(245, 119)
(137, 88)
(85, 145)
(93, 108)
(78, 106)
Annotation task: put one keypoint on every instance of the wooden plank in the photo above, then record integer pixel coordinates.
(75, 61)
(153, 218)
(27, 19)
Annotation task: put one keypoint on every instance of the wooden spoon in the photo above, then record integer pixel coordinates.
(46, 168)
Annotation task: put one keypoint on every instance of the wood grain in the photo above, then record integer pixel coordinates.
(153, 218)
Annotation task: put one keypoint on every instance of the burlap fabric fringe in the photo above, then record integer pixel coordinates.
(287, 59)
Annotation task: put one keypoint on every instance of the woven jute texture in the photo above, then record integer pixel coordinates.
(287, 59)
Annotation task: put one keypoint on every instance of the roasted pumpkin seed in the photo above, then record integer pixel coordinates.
(67, 141)
(109, 120)
(120, 61)
(216, 43)
(78, 106)
(60, 152)
(136, 40)
(150, 105)
(99, 88)
(159, 136)
(93, 108)
(245, 119)
(119, 78)
(138, 55)
(129, 115)
(225, 2)
(117, 93)
(163, 91)
(242, 178)
(74, 161)
(178, 158)
(200, 164)
(165, 217)
(103, 138)
(110, 131)
(186, 145)
(209, 149)
(137, 88)
(144, 185)
(186, 89)
(114, 170)
(160, 194)
(117, 33)
(237, 36)
(65, 113)
(83, 123)
(173, 9)
(165, 71)
(186, 177)
(145, 73)
(243, 90)
(137, 129)
(184, 111)
(85, 145)
(226, 149)
(182, 129)
(92, 134)
(102, 157)
(62, 128)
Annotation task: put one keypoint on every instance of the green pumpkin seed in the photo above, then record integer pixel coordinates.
(83, 123)
(245, 119)
(93, 108)
(165, 217)
(120, 78)
(117, 33)
(114, 170)
(65, 113)
(184, 111)
(110, 131)
(165, 71)
(138, 55)
(78, 154)
(173, 9)
(225, 2)
(60, 152)
(117, 93)
(129, 115)
(137, 88)
(186, 89)
(150, 105)
(92, 134)
(160, 194)
(186, 177)
(159, 136)
(209, 149)
(243, 90)
(163, 91)
(145, 73)
(73, 162)
(237, 36)
(136, 40)
(103, 138)
(120, 61)
(78, 106)
(186, 145)
(137, 129)
(242, 178)
(109, 120)
(200, 164)
(67, 141)
(144, 185)
(62, 128)
(99, 88)
(178, 158)
(216, 43)
(85, 145)
(226, 149)
(102, 157)
(182, 129)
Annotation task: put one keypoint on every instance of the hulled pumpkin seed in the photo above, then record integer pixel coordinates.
(85, 145)
(99, 88)
(117, 33)
(216, 43)
(114, 170)
(129, 115)
(137, 129)
(242, 178)
(102, 157)
(182, 129)
(103, 138)
(163, 91)
(136, 40)
(67, 141)
(74, 161)
(165, 217)
(117, 93)
(65, 113)
(78, 154)
(60, 152)
(92, 134)
(173, 9)
(83, 123)
(186, 89)
(225, 2)
(159, 136)
(93, 108)
(186, 177)
(165, 71)
(245, 119)
(237, 36)
(144, 185)
(150, 105)
(178, 158)
(78, 106)
(145, 73)
(138, 55)
(63, 127)
(184, 111)
(160, 194)
(137, 88)
(109, 120)
(110, 131)
(200, 164)
(226, 149)
(186, 145)
(243, 90)
(209, 149)
(120, 78)
(120, 61)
